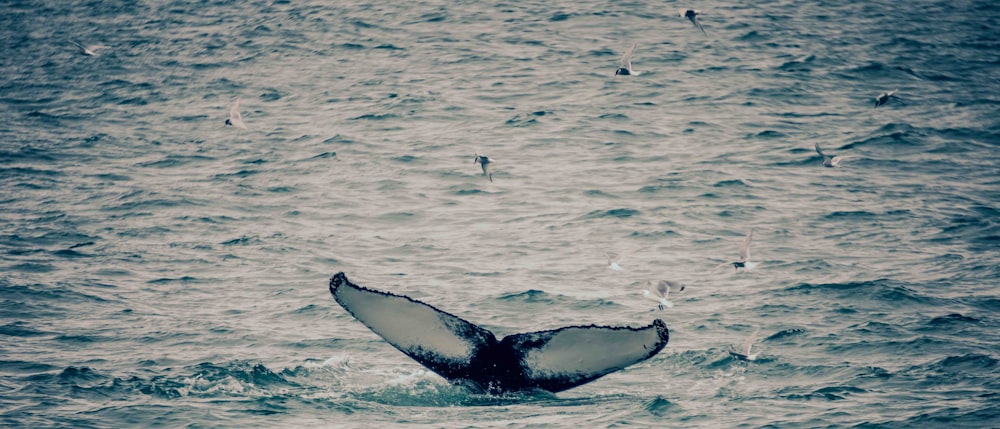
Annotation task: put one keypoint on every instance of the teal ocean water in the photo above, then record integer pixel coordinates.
(160, 269)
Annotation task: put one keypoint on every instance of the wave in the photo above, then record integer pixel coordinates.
(526, 120)
(731, 183)
(20, 329)
(55, 293)
(969, 363)
(949, 417)
(786, 333)
(951, 320)
(888, 344)
(889, 293)
(532, 296)
(976, 225)
(620, 213)
(27, 173)
(828, 393)
(660, 406)
(207, 380)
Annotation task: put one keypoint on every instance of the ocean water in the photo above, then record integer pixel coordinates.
(161, 269)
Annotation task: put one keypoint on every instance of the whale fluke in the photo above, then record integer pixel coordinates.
(464, 353)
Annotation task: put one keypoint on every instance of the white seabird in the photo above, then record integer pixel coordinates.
(484, 161)
(885, 96)
(692, 15)
(661, 292)
(744, 261)
(84, 50)
(625, 66)
(744, 353)
(235, 119)
(829, 160)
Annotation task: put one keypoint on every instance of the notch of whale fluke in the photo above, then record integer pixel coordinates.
(464, 353)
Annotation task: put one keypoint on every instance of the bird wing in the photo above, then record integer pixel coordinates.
(234, 115)
(697, 23)
(626, 62)
(884, 97)
(749, 342)
(820, 151)
(234, 111)
(663, 288)
(745, 247)
(83, 49)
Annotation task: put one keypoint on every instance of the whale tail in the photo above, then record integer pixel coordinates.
(464, 353)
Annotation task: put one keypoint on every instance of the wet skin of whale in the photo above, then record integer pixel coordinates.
(464, 353)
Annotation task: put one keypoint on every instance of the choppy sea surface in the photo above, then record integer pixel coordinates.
(161, 269)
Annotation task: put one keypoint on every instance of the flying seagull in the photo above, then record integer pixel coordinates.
(829, 160)
(235, 119)
(744, 261)
(692, 15)
(625, 66)
(85, 50)
(744, 353)
(661, 292)
(884, 97)
(484, 161)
